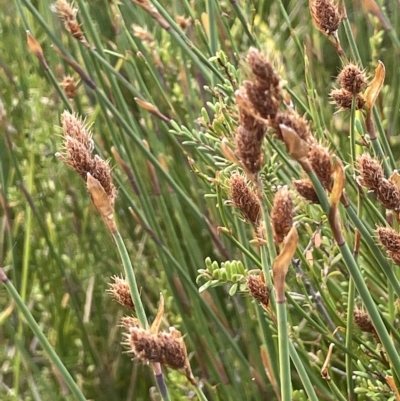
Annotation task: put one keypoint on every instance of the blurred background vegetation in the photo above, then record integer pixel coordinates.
(58, 254)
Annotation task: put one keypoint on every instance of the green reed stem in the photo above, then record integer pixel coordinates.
(304, 377)
(130, 275)
(284, 359)
(349, 339)
(52, 355)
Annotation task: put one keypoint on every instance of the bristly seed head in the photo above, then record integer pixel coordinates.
(325, 15)
(306, 190)
(78, 146)
(119, 290)
(372, 177)
(282, 214)
(129, 321)
(165, 348)
(320, 160)
(67, 13)
(390, 239)
(261, 68)
(245, 199)
(293, 120)
(343, 98)
(258, 289)
(371, 172)
(352, 79)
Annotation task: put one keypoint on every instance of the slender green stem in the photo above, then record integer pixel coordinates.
(284, 358)
(304, 377)
(130, 275)
(25, 270)
(349, 339)
(54, 358)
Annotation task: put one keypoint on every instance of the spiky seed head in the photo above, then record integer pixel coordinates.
(261, 68)
(306, 189)
(325, 15)
(320, 160)
(352, 79)
(371, 172)
(293, 120)
(372, 177)
(282, 214)
(67, 13)
(343, 98)
(245, 198)
(129, 321)
(119, 290)
(258, 289)
(264, 99)
(390, 240)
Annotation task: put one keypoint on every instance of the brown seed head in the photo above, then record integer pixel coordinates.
(69, 86)
(264, 99)
(306, 190)
(165, 348)
(343, 98)
(78, 146)
(371, 172)
(372, 177)
(183, 22)
(320, 160)
(291, 119)
(363, 321)
(352, 79)
(262, 69)
(119, 290)
(245, 199)
(325, 15)
(258, 289)
(282, 214)
(67, 13)
(249, 135)
(390, 239)
(129, 321)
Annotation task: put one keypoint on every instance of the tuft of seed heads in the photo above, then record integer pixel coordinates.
(320, 160)
(67, 13)
(372, 177)
(325, 15)
(245, 199)
(306, 190)
(343, 98)
(165, 348)
(352, 79)
(390, 240)
(282, 214)
(78, 146)
(258, 289)
(119, 290)
(77, 154)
